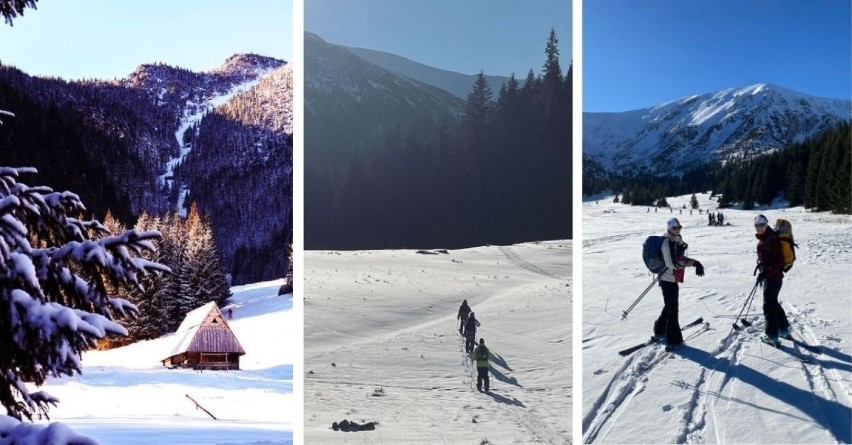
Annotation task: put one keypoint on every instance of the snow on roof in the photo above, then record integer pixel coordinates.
(194, 335)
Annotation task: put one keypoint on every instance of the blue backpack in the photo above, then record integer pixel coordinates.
(652, 254)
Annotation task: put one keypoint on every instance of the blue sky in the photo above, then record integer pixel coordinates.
(499, 37)
(637, 53)
(106, 39)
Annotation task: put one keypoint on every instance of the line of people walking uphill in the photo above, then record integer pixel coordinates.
(478, 353)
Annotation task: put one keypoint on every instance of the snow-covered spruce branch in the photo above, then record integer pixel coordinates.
(53, 276)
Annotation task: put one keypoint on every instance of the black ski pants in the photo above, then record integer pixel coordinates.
(667, 323)
(469, 340)
(482, 375)
(461, 324)
(776, 318)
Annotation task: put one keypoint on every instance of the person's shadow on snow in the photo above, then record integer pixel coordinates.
(498, 360)
(506, 400)
(503, 378)
(831, 415)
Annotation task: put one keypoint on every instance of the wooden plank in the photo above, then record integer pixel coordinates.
(199, 406)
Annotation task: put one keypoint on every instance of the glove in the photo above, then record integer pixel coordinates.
(761, 277)
(699, 269)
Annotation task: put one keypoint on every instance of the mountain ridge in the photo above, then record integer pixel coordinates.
(690, 131)
(458, 84)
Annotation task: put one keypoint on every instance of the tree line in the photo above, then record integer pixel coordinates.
(197, 275)
(815, 173)
(500, 175)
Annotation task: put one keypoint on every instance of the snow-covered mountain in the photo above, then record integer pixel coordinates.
(350, 102)
(456, 83)
(688, 132)
(138, 134)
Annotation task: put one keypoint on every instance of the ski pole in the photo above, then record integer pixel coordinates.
(734, 327)
(627, 312)
(745, 322)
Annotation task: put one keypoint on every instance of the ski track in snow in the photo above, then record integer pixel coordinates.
(382, 344)
(717, 389)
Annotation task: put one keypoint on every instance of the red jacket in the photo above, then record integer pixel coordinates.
(769, 255)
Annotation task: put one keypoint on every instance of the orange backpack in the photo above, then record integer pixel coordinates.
(788, 247)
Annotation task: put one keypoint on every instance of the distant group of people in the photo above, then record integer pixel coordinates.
(478, 353)
(715, 219)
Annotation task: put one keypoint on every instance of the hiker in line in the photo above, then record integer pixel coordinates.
(230, 313)
(674, 256)
(482, 356)
(464, 310)
(470, 332)
(770, 262)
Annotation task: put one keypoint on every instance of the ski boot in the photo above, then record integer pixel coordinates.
(771, 341)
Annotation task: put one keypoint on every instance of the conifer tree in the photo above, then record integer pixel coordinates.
(54, 289)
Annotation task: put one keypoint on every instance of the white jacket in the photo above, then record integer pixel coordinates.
(672, 264)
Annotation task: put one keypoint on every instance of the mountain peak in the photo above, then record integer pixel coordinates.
(690, 131)
(248, 63)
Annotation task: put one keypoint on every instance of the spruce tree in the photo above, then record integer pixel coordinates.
(54, 290)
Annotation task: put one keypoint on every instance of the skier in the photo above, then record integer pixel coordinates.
(464, 310)
(230, 313)
(674, 251)
(470, 332)
(482, 356)
(770, 262)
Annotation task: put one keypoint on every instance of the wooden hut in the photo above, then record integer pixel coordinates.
(205, 341)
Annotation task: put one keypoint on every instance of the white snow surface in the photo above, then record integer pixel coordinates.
(382, 344)
(125, 396)
(710, 391)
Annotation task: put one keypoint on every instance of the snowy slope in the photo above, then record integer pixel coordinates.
(381, 344)
(691, 131)
(709, 391)
(125, 396)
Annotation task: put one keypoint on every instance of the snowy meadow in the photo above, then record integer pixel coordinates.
(382, 344)
(125, 396)
(716, 388)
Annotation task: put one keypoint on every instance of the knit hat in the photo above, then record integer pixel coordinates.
(481, 341)
(760, 219)
(673, 224)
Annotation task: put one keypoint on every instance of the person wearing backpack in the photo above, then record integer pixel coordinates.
(674, 256)
(770, 263)
(470, 332)
(464, 311)
(482, 356)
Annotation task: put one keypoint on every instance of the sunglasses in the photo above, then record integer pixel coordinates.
(759, 226)
(677, 227)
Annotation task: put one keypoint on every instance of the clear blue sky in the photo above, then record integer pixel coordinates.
(466, 36)
(106, 39)
(637, 53)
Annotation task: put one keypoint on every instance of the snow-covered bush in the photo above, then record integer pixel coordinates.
(53, 298)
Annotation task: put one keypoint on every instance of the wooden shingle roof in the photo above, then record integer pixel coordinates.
(204, 329)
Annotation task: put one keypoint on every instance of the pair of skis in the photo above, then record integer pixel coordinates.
(653, 340)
